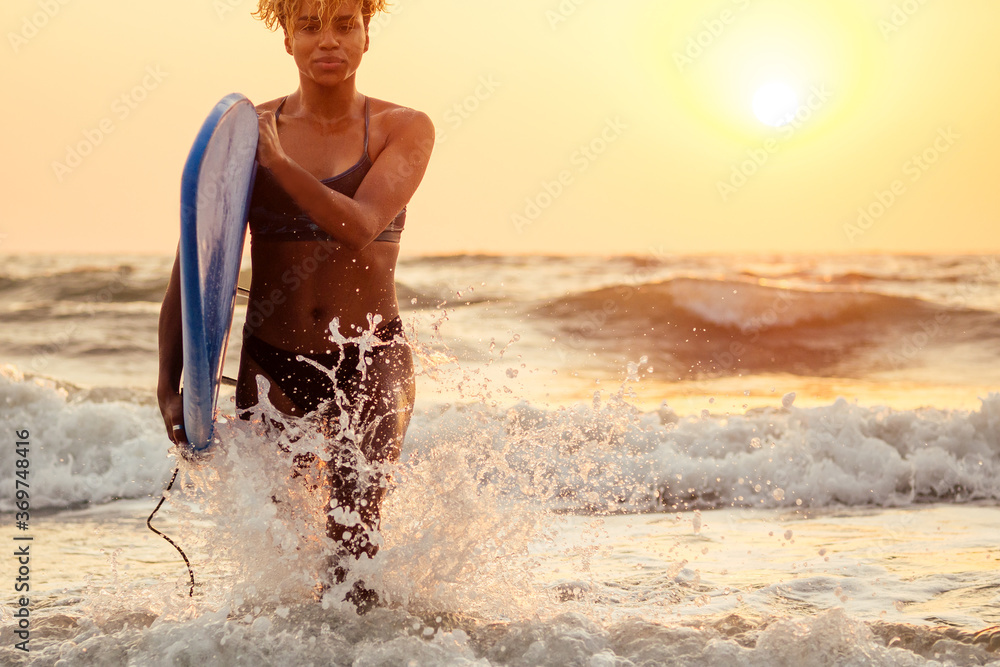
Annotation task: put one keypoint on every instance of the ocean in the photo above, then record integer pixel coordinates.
(613, 461)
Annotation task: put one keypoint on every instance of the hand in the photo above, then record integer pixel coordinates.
(269, 150)
(172, 409)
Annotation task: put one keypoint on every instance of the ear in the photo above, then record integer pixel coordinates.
(288, 43)
(368, 39)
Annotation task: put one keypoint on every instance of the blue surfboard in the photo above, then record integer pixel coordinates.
(215, 200)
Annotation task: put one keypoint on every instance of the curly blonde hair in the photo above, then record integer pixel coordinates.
(275, 13)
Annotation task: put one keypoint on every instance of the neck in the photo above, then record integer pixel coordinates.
(326, 103)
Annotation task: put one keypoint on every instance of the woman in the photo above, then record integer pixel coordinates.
(325, 226)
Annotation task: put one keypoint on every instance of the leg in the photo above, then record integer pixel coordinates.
(246, 389)
(382, 413)
(297, 387)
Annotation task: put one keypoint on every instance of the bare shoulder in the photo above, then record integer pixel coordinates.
(270, 105)
(395, 120)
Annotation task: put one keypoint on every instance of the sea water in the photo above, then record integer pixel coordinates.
(613, 461)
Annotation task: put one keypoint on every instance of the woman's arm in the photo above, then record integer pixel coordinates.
(394, 177)
(171, 345)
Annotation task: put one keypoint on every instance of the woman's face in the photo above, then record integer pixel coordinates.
(332, 52)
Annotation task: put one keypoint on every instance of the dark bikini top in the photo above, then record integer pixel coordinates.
(274, 215)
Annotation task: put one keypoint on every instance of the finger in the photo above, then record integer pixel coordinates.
(176, 434)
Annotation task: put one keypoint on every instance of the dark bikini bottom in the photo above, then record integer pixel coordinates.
(309, 387)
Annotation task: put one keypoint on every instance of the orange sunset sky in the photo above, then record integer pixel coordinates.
(580, 126)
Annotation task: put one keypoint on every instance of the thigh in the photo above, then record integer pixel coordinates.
(386, 401)
(246, 389)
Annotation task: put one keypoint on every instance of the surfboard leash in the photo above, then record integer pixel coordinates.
(149, 524)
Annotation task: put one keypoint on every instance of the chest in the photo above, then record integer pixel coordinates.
(324, 151)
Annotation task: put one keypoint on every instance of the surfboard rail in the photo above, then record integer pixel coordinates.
(216, 185)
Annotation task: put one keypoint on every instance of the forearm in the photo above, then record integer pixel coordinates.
(171, 343)
(338, 215)
(358, 220)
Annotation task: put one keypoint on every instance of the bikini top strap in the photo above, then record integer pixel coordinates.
(367, 116)
(277, 112)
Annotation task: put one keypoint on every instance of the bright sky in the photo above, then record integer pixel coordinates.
(565, 126)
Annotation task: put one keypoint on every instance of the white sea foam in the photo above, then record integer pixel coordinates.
(735, 304)
(82, 451)
(306, 635)
(603, 457)
(608, 457)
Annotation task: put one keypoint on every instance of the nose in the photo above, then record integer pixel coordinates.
(328, 38)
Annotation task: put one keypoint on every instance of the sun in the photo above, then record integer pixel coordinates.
(775, 103)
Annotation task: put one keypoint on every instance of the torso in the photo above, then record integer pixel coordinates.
(299, 287)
